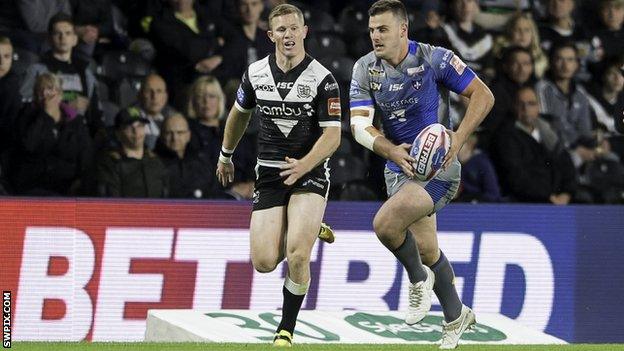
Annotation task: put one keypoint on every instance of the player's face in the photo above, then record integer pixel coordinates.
(288, 32)
(527, 107)
(6, 59)
(386, 32)
(565, 63)
(520, 67)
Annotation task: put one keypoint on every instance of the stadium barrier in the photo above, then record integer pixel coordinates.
(91, 269)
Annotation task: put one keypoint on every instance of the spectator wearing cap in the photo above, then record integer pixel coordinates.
(54, 149)
(79, 83)
(131, 170)
(152, 102)
(530, 161)
(562, 97)
(191, 173)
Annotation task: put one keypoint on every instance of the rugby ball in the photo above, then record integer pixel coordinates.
(428, 150)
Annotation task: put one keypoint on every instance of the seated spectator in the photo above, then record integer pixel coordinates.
(10, 98)
(529, 160)
(521, 31)
(206, 111)
(564, 99)
(153, 105)
(605, 96)
(79, 83)
(517, 71)
(246, 42)
(611, 33)
(94, 23)
(187, 44)
(479, 182)
(432, 32)
(26, 21)
(191, 173)
(54, 151)
(131, 170)
(468, 40)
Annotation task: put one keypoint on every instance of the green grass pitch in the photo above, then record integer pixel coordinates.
(62, 346)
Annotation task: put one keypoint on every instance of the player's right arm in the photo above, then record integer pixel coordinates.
(362, 109)
(235, 126)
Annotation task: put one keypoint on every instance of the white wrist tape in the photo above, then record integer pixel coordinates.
(225, 156)
(362, 136)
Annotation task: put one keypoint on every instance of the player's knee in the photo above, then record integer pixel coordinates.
(264, 265)
(383, 227)
(298, 257)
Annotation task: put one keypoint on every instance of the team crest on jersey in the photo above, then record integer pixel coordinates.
(375, 72)
(303, 91)
(417, 84)
(375, 86)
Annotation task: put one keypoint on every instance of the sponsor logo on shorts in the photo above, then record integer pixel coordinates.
(313, 182)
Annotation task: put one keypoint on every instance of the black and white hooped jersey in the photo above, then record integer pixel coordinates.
(293, 107)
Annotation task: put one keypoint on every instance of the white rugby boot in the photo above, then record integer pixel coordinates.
(420, 298)
(452, 331)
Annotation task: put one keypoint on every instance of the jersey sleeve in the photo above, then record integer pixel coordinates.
(450, 70)
(245, 95)
(328, 106)
(359, 92)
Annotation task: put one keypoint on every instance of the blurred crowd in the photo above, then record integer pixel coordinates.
(117, 98)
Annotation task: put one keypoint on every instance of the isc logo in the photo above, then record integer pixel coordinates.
(285, 85)
(395, 87)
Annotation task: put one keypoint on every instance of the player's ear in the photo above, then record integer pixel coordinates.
(305, 31)
(270, 35)
(403, 29)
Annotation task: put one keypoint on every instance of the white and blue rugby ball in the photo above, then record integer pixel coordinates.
(428, 149)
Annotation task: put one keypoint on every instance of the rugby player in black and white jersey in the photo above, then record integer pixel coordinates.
(298, 103)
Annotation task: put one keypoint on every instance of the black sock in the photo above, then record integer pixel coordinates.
(293, 298)
(409, 256)
(444, 288)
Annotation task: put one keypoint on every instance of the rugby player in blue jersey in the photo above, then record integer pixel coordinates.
(409, 82)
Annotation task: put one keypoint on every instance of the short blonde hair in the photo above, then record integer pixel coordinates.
(47, 80)
(285, 9)
(200, 84)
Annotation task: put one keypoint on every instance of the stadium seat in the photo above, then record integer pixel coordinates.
(110, 110)
(345, 168)
(126, 92)
(357, 190)
(22, 59)
(329, 44)
(340, 66)
(319, 21)
(360, 46)
(354, 21)
(123, 64)
(103, 91)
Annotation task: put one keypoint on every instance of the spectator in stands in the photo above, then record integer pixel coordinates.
(26, 21)
(517, 71)
(94, 23)
(468, 39)
(206, 111)
(522, 31)
(611, 33)
(479, 181)
(191, 173)
(79, 83)
(187, 44)
(131, 170)
(153, 105)
(246, 42)
(530, 161)
(606, 95)
(562, 98)
(54, 151)
(10, 98)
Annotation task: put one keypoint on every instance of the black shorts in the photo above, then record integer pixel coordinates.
(270, 190)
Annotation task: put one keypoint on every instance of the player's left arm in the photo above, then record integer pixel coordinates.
(328, 113)
(480, 103)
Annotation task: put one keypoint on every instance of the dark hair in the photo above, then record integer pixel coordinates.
(395, 6)
(58, 18)
(560, 46)
(5, 40)
(510, 51)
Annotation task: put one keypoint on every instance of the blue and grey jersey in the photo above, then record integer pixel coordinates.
(412, 95)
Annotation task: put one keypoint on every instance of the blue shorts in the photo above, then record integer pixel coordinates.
(442, 188)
